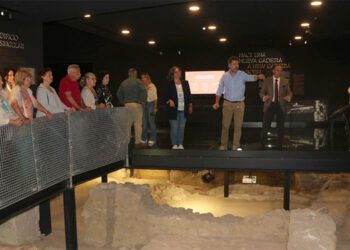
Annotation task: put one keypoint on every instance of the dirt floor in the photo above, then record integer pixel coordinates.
(188, 191)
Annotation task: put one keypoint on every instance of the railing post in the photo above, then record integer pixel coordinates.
(45, 217)
(226, 184)
(104, 178)
(286, 197)
(70, 219)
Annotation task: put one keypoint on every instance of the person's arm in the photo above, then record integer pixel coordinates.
(168, 97)
(219, 93)
(40, 107)
(70, 98)
(61, 104)
(289, 95)
(13, 122)
(263, 92)
(253, 78)
(142, 93)
(17, 109)
(44, 99)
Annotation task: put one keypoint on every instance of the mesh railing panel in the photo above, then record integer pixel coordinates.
(97, 138)
(17, 168)
(51, 150)
(36, 156)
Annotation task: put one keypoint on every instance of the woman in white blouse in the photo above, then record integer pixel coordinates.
(88, 94)
(47, 95)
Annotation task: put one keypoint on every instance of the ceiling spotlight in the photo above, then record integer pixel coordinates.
(305, 42)
(194, 8)
(151, 42)
(204, 28)
(305, 25)
(211, 27)
(125, 32)
(2, 13)
(298, 38)
(223, 39)
(87, 15)
(316, 3)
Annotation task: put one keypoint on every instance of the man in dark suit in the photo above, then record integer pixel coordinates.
(275, 93)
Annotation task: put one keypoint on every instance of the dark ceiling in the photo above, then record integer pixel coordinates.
(268, 23)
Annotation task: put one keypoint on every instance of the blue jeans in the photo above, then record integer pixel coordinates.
(177, 128)
(149, 122)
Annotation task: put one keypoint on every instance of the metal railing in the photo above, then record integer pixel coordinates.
(39, 155)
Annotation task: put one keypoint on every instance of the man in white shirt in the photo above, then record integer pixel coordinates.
(275, 93)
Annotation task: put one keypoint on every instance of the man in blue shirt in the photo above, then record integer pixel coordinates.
(232, 86)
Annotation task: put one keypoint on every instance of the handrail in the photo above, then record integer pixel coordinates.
(37, 156)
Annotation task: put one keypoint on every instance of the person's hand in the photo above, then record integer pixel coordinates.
(266, 98)
(87, 109)
(216, 106)
(155, 110)
(72, 109)
(15, 122)
(26, 121)
(260, 77)
(287, 98)
(49, 116)
(190, 110)
(171, 103)
(101, 106)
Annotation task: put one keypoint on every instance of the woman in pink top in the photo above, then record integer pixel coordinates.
(22, 99)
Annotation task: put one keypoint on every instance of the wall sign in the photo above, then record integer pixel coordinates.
(262, 61)
(10, 40)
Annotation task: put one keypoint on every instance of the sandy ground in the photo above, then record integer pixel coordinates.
(209, 201)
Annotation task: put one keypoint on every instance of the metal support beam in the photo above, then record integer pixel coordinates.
(45, 217)
(226, 184)
(70, 222)
(104, 178)
(286, 197)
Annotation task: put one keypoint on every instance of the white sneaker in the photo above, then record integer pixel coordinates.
(151, 143)
(239, 149)
(175, 147)
(180, 147)
(143, 142)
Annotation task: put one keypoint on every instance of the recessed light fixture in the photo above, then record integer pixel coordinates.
(298, 38)
(316, 3)
(204, 28)
(223, 39)
(211, 27)
(305, 42)
(151, 42)
(194, 8)
(305, 25)
(125, 32)
(87, 15)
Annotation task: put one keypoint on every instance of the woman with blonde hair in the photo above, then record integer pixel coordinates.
(88, 94)
(22, 99)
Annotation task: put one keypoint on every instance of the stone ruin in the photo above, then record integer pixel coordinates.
(125, 216)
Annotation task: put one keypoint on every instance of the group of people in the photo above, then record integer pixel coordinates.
(139, 96)
(18, 103)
